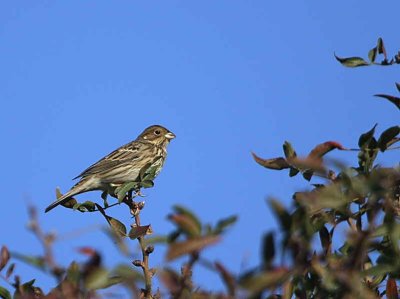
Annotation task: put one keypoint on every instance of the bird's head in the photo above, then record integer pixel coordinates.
(157, 134)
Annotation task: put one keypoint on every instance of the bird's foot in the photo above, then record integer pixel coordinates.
(139, 193)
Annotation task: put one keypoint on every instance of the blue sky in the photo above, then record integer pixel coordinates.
(80, 78)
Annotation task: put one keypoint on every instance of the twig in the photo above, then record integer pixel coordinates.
(47, 241)
(135, 209)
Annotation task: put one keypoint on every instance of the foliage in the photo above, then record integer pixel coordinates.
(339, 239)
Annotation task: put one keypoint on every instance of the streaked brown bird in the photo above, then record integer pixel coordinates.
(147, 152)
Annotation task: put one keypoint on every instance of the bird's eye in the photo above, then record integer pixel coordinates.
(157, 132)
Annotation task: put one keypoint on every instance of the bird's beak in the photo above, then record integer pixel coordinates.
(170, 135)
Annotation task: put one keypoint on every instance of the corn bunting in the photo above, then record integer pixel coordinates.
(144, 155)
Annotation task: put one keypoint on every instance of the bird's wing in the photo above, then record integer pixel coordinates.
(126, 153)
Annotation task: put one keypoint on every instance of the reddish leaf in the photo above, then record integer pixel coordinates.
(275, 163)
(4, 257)
(391, 289)
(227, 277)
(321, 149)
(178, 249)
(394, 100)
(139, 231)
(186, 224)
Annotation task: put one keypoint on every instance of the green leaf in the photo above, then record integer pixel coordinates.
(178, 249)
(352, 61)
(87, 206)
(387, 136)
(127, 273)
(125, 188)
(293, 172)
(289, 150)
(224, 223)
(147, 184)
(307, 175)
(117, 226)
(35, 261)
(392, 99)
(366, 138)
(381, 48)
(73, 273)
(98, 279)
(4, 293)
(268, 249)
(372, 54)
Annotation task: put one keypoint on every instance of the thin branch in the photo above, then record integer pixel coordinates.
(135, 208)
(47, 241)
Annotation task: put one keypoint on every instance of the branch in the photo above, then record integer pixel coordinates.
(135, 208)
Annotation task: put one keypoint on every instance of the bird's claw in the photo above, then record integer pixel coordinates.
(139, 193)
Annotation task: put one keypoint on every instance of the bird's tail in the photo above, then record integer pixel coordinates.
(81, 186)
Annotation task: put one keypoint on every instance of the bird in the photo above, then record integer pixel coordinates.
(144, 155)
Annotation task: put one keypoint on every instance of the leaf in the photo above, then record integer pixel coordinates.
(387, 136)
(321, 149)
(178, 249)
(372, 54)
(283, 215)
(125, 188)
(393, 99)
(381, 48)
(185, 224)
(4, 293)
(87, 206)
(391, 289)
(289, 150)
(352, 61)
(228, 279)
(224, 223)
(265, 280)
(293, 172)
(366, 138)
(4, 257)
(325, 238)
(127, 273)
(117, 226)
(139, 231)
(73, 273)
(10, 270)
(97, 279)
(398, 86)
(268, 249)
(274, 163)
(307, 175)
(147, 184)
(184, 211)
(35, 261)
